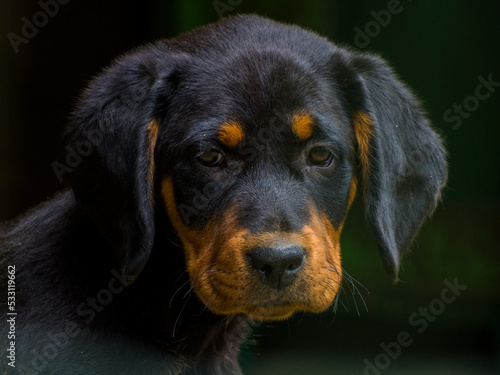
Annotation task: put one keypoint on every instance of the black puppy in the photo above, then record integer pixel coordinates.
(210, 176)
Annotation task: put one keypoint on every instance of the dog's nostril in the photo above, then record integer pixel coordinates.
(266, 269)
(294, 266)
(278, 266)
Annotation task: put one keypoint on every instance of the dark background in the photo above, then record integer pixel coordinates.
(440, 48)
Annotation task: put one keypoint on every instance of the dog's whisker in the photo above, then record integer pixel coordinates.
(178, 289)
(199, 278)
(178, 317)
(355, 291)
(188, 282)
(355, 280)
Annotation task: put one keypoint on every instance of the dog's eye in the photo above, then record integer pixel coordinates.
(320, 157)
(212, 158)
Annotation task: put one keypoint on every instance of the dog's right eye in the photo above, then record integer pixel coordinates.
(212, 158)
(320, 157)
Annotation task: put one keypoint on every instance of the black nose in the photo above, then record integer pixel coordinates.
(278, 266)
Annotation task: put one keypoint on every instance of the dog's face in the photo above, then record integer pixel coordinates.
(255, 135)
(258, 188)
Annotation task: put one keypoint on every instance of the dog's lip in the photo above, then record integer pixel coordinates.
(272, 305)
(278, 300)
(273, 310)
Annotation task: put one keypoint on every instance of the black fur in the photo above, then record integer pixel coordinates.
(101, 282)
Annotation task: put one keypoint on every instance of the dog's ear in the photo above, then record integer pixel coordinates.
(110, 147)
(402, 160)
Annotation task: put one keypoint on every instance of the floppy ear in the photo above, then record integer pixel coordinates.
(403, 161)
(110, 147)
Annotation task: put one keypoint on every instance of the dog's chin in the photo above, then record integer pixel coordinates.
(269, 310)
(275, 313)
(259, 313)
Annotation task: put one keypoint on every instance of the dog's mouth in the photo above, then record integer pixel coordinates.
(242, 291)
(271, 276)
(272, 311)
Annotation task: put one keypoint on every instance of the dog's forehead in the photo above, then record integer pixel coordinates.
(246, 94)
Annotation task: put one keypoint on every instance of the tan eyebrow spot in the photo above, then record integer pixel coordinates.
(302, 125)
(231, 134)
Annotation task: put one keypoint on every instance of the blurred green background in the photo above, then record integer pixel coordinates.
(443, 49)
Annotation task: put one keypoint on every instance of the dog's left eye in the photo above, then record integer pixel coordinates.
(320, 157)
(212, 158)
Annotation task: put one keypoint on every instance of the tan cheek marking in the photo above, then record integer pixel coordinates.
(231, 134)
(193, 241)
(363, 131)
(167, 190)
(323, 245)
(199, 245)
(216, 246)
(302, 125)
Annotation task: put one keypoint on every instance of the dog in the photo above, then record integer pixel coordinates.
(209, 177)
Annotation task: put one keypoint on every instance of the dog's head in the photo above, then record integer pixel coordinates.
(253, 136)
